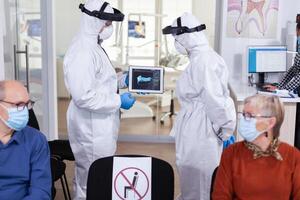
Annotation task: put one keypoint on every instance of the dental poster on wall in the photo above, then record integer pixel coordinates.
(252, 18)
(136, 29)
(131, 178)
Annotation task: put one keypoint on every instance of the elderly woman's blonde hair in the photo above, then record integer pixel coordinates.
(2, 90)
(268, 105)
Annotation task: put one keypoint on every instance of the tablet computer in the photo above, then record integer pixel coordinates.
(144, 79)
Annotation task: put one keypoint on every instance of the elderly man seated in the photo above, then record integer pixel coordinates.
(24, 154)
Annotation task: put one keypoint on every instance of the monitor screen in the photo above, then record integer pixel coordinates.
(34, 28)
(267, 59)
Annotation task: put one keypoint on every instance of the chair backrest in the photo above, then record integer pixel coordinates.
(32, 121)
(213, 181)
(58, 168)
(61, 148)
(99, 184)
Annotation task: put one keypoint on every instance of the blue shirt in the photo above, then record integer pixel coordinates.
(25, 167)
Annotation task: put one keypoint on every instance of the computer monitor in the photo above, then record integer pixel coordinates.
(34, 28)
(263, 59)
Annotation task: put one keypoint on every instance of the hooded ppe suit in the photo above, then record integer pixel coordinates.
(207, 116)
(93, 114)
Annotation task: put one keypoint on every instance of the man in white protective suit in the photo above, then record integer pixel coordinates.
(93, 115)
(206, 121)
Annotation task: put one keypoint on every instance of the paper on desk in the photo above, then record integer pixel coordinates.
(279, 93)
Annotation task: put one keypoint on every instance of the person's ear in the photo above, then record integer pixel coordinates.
(272, 122)
(3, 113)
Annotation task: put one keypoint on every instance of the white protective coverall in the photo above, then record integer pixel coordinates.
(93, 113)
(207, 116)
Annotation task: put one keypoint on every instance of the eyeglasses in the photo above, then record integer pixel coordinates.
(21, 106)
(249, 116)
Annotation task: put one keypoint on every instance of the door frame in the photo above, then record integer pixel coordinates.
(50, 122)
(2, 32)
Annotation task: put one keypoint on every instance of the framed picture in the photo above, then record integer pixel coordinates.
(136, 29)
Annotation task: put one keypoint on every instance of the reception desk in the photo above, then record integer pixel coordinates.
(239, 91)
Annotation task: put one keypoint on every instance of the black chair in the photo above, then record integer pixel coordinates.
(58, 169)
(171, 112)
(99, 185)
(61, 149)
(213, 181)
(32, 121)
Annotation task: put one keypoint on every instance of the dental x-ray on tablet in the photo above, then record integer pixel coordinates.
(146, 79)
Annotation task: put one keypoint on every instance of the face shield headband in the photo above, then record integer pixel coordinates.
(116, 16)
(182, 29)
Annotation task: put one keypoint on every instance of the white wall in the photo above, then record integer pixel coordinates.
(1, 57)
(233, 50)
(67, 21)
(67, 17)
(205, 10)
(2, 32)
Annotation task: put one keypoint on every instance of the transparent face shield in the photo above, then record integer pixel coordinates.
(118, 36)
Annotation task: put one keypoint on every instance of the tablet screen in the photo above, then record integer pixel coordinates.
(146, 79)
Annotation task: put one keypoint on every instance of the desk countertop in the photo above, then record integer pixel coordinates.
(242, 90)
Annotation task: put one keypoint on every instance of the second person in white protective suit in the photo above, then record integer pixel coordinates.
(207, 117)
(93, 114)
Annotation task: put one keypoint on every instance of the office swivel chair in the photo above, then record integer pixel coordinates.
(171, 112)
(99, 185)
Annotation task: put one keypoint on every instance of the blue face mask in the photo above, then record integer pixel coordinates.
(17, 119)
(247, 129)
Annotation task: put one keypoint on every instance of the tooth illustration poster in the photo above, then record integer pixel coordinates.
(252, 18)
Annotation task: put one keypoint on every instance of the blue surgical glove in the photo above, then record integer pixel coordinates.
(127, 100)
(229, 141)
(141, 79)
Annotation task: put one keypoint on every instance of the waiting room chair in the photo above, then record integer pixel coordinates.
(58, 168)
(61, 149)
(213, 181)
(32, 121)
(99, 185)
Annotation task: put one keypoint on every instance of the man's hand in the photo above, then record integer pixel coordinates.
(271, 88)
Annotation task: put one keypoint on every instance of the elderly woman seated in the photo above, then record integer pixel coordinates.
(261, 167)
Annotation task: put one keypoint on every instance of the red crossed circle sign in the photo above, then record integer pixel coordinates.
(122, 175)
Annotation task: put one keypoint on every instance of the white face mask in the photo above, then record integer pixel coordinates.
(247, 129)
(180, 48)
(106, 32)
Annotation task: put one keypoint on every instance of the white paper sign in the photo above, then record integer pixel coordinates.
(131, 178)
